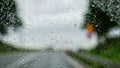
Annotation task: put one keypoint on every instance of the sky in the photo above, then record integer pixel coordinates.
(51, 23)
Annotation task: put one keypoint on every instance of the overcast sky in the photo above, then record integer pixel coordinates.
(53, 23)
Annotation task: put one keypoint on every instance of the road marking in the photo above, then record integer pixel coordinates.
(74, 63)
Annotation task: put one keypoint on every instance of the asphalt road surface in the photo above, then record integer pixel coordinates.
(40, 59)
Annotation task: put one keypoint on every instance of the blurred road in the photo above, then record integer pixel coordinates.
(41, 59)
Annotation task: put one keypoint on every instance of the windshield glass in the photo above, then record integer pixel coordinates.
(80, 31)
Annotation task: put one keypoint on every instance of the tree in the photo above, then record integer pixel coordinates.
(8, 16)
(104, 15)
(100, 19)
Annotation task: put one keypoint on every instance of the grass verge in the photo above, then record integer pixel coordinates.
(85, 61)
(6, 48)
(109, 50)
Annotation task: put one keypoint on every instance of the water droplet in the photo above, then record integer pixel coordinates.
(75, 24)
(111, 19)
(93, 5)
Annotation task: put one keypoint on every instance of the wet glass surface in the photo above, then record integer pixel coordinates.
(59, 33)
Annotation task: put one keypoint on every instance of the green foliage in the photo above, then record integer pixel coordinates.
(104, 15)
(109, 50)
(8, 16)
(100, 19)
(5, 48)
(85, 61)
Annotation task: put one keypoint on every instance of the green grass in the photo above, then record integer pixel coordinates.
(85, 61)
(6, 48)
(109, 50)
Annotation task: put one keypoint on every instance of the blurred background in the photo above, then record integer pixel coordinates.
(88, 31)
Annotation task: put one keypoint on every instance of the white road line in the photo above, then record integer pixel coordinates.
(74, 63)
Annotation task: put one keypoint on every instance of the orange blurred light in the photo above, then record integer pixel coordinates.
(90, 29)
